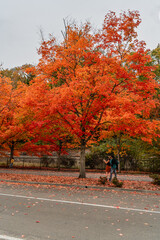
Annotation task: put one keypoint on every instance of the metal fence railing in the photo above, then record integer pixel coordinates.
(150, 165)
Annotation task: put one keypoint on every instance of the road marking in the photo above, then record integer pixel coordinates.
(80, 203)
(9, 238)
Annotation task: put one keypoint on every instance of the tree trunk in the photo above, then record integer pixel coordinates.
(82, 173)
(119, 164)
(12, 151)
(59, 155)
(59, 161)
(118, 154)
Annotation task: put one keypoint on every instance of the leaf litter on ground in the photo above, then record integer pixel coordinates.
(74, 181)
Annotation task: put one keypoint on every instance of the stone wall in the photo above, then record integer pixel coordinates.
(26, 160)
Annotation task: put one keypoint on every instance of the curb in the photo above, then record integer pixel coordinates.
(84, 186)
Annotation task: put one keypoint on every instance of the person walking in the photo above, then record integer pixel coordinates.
(108, 166)
(114, 166)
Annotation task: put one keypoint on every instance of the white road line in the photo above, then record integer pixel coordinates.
(4, 237)
(80, 203)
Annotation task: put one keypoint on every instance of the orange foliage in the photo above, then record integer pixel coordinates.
(96, 82)
(12, 130)
(89, 84)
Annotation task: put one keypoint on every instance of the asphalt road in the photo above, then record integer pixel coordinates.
(40, 213)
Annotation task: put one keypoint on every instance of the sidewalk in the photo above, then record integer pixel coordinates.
(129, 177)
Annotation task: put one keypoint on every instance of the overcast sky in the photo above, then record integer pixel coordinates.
(21, 21)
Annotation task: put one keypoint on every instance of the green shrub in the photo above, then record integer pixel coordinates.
(67, 161)
(45, 161)
(94, 159)
(117, 183)
(156, 178)
(102, 180)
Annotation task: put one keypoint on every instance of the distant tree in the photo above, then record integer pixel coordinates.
(155, 54)
(12, 130)
(18, 74)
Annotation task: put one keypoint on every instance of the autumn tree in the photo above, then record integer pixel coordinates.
(12, 130)
(155, 54)
(119, 40)
(155, 114)
(95, 78)
(71, 69)
(46, 132)
(5, 92)
(13, 85)
(139, 127)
